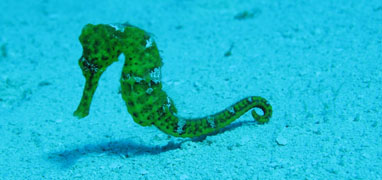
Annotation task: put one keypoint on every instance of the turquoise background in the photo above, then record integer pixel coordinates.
(317, 62)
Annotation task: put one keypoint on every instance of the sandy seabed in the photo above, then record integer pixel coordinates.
(317, 62)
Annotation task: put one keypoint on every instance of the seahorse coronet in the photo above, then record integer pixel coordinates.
(141, 86)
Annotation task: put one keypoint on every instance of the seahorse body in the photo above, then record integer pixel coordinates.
(141, 82)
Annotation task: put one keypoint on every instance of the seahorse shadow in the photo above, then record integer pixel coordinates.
(125, 148)
(122, 148)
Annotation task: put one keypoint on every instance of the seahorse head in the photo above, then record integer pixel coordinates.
(101, 47)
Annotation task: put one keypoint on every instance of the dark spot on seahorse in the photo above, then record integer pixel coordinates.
(196, 129)
(86, 39)
(146, 37)
(141, 98)
(206, 125)
(236, 108)
(159, 112)
(135, 114)
(146, 109)
(151, 116)
(222, 120)
(174, 124)
(86, 50)
(143, 42)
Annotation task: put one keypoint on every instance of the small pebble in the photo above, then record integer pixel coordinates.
(281, 141)
(144, 172)
(184, 177)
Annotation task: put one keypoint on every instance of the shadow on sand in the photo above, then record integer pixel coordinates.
(125, 148)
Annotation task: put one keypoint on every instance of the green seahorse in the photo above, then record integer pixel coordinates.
(141, 86)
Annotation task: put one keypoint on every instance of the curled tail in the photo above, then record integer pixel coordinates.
(171, 124)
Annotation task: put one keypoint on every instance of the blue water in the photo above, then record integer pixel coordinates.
(317, 62)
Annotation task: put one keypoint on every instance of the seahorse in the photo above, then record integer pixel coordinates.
(141, 85)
